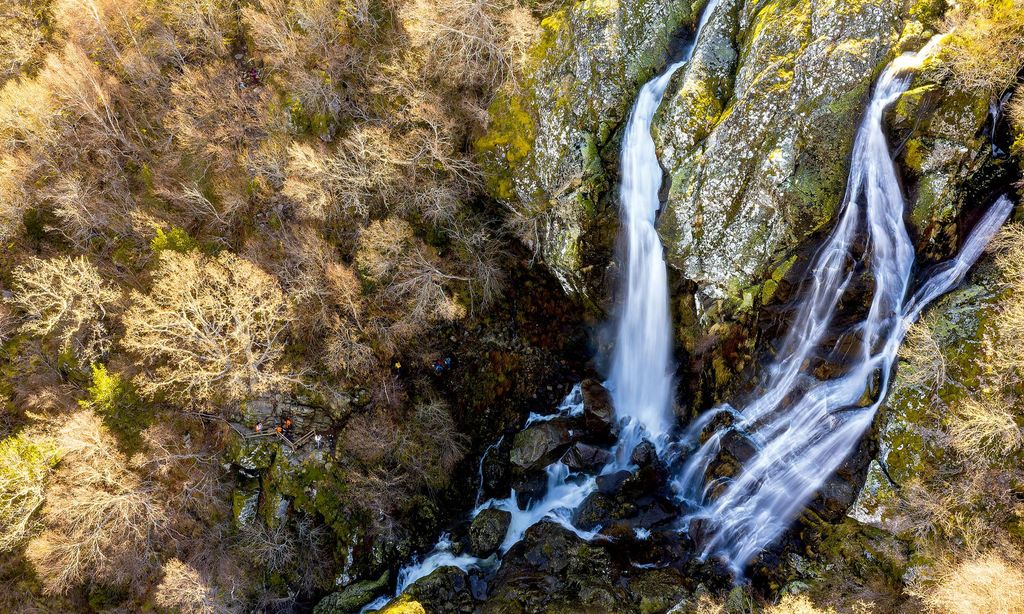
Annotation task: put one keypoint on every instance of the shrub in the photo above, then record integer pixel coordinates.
(476, 42)
(183, 589)
(1015, 111)
(924, 365)
(20, 37)
(984, 426)
(114, 399)
(25, 463)
(66, 301)
(212, 329)
(796, 604)
(174, 239)
(983, 51)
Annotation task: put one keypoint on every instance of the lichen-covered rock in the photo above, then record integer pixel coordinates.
(543, 151)
(943, 147)
(539, 445)
(910, 441)
(488, 531)
(353, 597)
(446, 590)
(757, 131)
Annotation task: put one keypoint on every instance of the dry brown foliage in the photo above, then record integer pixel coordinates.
(21, 37)
(987, 583)
(985, 427)
(924, 365)
(983, 51)
(101, 521)
(211, 330)
(480, 43)
(183, 589)
(66, 301)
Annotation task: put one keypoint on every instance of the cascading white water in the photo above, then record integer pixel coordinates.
(803, 428)
(641, 381)
(641, 374)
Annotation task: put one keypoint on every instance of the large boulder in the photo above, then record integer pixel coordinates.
(447, 590)
(488, 531)
(539, 445)
(353, 597)
(585, 458)
(598, 412)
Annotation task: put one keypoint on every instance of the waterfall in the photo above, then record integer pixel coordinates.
(641, 381)
(641, 373)
(803, 428)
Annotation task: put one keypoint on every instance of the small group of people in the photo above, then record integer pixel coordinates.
(442, 364)
(439, 366)
(281, 428)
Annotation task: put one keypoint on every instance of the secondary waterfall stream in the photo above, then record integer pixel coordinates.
(801, 427)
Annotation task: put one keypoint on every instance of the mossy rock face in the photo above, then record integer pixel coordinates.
(550, 144)
(353, 597)
(445, 591)
(252, 454)
(908, 422)
(553, 570)
(944, 146)
(756, 133)
(540, 445)
(488, 531)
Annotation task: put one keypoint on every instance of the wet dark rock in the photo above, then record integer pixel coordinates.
(353, 597)
(488, 531)
(644, 454)
(609, 483)
(735, 449)
(596, 510)
(529, 486)
(585, 458)
(539, 445)
(598, 412)
(553, 570)
(446, 590)
(660, 512)
(722, 420)
(497, 473)
(840, 491)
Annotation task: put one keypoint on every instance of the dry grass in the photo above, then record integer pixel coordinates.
(983, 52)
(924, 365)
(988, 583)
(985, 427)
(796, 604)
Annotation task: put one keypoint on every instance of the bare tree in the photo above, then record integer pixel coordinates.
(67, 301)
(183, 589)
(26, 461)
(101, 521)
(210, 329)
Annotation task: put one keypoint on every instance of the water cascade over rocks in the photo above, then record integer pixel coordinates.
(799, 428)
(641, 374)
(641, 379)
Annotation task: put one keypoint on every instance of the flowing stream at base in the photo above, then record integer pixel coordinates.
(802, 428)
